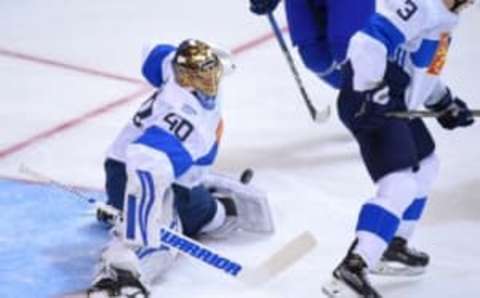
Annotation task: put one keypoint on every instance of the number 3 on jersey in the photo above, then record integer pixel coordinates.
(408, 10)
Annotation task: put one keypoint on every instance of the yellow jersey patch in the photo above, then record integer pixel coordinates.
(219, 131)
(440, 57)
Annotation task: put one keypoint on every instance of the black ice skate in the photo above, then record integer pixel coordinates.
(401, 260)
(350, 280)
(112, 282)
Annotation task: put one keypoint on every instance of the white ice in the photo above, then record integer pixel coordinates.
(313, 173)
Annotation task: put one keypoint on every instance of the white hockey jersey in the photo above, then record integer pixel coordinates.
(415, 34)
(171, 132)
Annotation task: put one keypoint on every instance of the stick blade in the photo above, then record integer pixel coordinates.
(281, 260)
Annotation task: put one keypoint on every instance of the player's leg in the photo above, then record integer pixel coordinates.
(425, 176)
(197, 208)
(221, 206)
(115, 184)
(135, 256)
(248, 205)
(400, 258)
(390, 156)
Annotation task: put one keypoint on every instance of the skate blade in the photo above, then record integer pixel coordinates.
(338, 289)
(396, 269)
(84, 294)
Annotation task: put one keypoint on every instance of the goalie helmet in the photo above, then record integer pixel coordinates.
(197, 66)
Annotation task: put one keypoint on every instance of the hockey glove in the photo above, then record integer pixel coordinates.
(375, 104)
(453, 111)
(262, 7)
(387, 97)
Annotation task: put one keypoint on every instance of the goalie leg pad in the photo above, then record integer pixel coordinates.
(252, 208)
(118, 273)
(148, 206)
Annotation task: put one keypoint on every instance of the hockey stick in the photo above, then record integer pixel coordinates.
(278, 262)
(422, 114)
(317, 116)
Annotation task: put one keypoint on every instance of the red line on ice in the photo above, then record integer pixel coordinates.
(255, 42)
(73, 122)
(49, 62)
(103, 109)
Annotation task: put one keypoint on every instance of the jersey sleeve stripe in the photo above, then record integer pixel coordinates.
(381, 29)
(424, 55)
(159, 139)
(152, 67)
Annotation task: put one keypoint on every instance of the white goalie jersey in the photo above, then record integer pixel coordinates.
(171, 132)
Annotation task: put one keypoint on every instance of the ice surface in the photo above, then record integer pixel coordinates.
(312, 172)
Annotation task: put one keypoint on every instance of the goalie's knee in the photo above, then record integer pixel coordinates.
(196, 207)
(225, 221)
(148, 206)
(240, 212)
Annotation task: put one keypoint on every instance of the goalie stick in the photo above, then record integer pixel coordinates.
(278, 262)
(422, 114)
(317, 116)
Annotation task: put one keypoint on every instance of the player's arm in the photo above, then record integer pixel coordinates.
(392, 25)
(325, 49)
(155, 62)
(454, 112)
(345, 18)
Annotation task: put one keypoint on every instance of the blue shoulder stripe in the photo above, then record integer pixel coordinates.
(380, 28)
(424, 55)
(152, 67)
(159, 139)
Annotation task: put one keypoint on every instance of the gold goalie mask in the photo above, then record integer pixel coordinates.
(197, 66)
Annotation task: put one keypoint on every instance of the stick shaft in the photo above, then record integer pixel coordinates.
(278, 262)
(423, 114)
(283, 46)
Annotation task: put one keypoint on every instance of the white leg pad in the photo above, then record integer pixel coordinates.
(252, 205)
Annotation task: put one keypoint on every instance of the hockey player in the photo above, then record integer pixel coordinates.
(321, 30)
(158, 176)
(394, 65)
